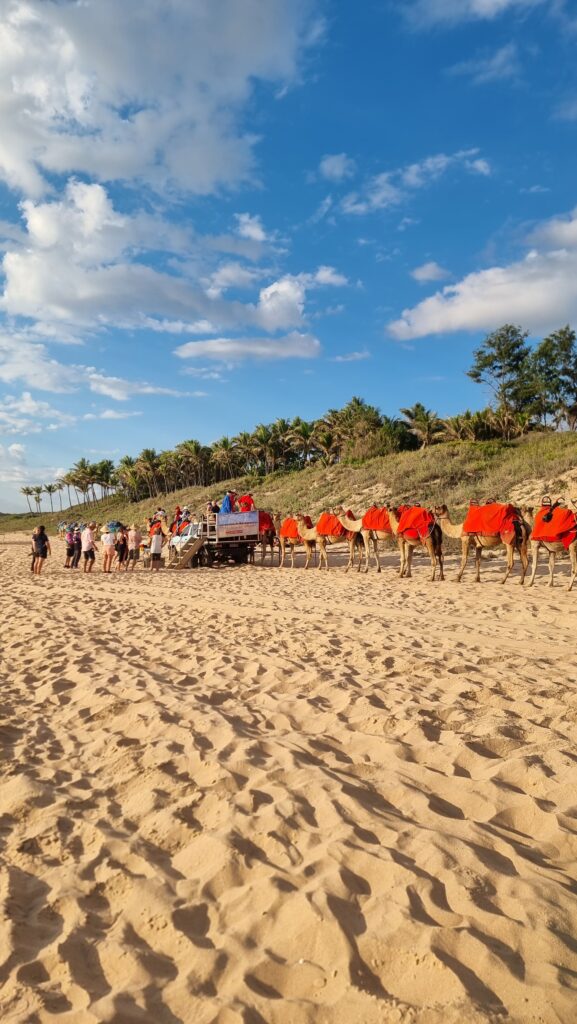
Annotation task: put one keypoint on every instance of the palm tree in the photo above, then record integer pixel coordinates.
(223, 457)
(302, 439)
(423, 423)
(50, 489)
(59, 485)
(147, 468)
(37, 493)
(27, 492)
(127, 475)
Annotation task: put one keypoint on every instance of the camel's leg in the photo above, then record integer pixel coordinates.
(367, 547)
(524, 556)
(510, 556)
(478, 556)
(551, 568)
(441, 562)
(431, 549)
(535, 557)
(465, 544)
(323, 554)
(573, 557)
(402, 556)
(293, 548)
(408, 561)
(351, 561)
(376, 551)
(281, 552)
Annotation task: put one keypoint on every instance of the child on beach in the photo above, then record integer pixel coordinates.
(69, 540)
(77, 546)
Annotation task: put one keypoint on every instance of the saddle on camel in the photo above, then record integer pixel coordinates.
(414, 525)
(330, 530)
(377, 520)
(486, 527)
(288, 534)
(555, 529)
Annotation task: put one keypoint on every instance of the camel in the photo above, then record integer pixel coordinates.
(485, 542)
(291, 542)
(433, 542)
(323, 540)
(369, 536)
(553, 548)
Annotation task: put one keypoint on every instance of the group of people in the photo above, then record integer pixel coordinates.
(121, 545)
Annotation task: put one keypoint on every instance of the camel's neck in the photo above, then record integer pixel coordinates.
(305, 532)
(393, 521)
(454, 530)
(353, 525)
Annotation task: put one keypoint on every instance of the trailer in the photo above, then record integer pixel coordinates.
(216, 539)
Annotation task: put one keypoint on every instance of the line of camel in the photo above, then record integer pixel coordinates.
(362, 541)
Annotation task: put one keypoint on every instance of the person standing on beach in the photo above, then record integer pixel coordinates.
(69, 539)
(157, 533)
(121, 547)
(77, 545)
(107, 541)
(89, 547)
(41, 546)
(134, 541)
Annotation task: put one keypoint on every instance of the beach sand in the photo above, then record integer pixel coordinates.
(252, 796)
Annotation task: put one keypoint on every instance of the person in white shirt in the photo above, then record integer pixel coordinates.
(107, 540)
(88, 546)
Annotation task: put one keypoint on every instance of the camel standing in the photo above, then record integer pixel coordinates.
(433, 542)
(369, 536)
(323, 540)
(266, 539)
(554, 548)
(485, 542)
(292, 542)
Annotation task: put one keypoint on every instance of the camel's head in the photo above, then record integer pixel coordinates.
(440, 511)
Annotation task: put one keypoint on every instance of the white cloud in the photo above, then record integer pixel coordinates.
(391, 188)
(503, 64)
(27, 415)
(251, 227)
(231, 275)
(537, 291)
(352, 357)
(330, 276)
(156, 98)
(429, 272)
(423, 13)
(22, 360)
(231, 350)
(337, 167)
(567, 110)
(110, 414)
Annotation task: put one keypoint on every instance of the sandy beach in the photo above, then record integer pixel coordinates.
(253, 796)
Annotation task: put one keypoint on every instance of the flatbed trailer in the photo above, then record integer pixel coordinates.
(216, 540)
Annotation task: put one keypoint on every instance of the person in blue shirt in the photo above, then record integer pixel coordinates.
(228, 503)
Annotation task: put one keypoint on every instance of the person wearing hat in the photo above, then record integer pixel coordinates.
(157, 532)
(134, 542)
(107, 540)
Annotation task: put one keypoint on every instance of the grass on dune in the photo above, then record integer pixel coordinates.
(454, 473)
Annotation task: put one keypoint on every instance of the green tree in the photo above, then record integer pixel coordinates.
(27, 492)
(50, 489)
(37, 494)
(502, 363)
(423, 423)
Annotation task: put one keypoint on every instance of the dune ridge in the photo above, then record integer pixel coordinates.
(253, 795)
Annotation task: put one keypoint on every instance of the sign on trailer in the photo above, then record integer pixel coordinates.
(237, 524)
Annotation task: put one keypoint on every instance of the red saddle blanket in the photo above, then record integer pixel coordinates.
(265, 522)
(329, 526)
(290, 528)
(416, 522)
(377, 519)
(561, 529)
(491, 519)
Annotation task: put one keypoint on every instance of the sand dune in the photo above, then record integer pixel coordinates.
(253, 795)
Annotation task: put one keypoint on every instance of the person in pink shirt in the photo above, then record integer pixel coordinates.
(89, 547)
(134, 542)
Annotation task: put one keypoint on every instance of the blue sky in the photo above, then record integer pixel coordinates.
(215, 213)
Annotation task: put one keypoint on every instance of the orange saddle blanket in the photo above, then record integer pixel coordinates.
(416, 522)
(329, 526)
(290, 528)
(265, 522)
(491, 519)
(561, 529)
(377, 519)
